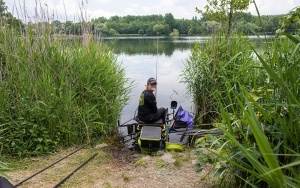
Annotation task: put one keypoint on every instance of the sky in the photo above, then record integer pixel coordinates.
(71, 9)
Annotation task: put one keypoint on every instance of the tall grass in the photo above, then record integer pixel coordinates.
(260, 120)
(56, 91)
(267, 141)
(212, 67)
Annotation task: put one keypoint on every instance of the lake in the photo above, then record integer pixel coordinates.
(159, 57)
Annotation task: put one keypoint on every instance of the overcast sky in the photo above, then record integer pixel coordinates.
(60, 9)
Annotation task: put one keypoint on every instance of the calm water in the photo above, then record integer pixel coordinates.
(158, 57)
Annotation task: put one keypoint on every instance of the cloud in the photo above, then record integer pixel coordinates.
(273, 7)
(72, 9)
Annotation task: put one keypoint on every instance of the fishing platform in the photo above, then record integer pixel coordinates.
(151, 137)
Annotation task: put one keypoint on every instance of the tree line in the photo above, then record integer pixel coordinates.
(153, 25)
(159, 25)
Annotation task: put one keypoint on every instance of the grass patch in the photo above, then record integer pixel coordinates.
(126, 177)
(140, 163)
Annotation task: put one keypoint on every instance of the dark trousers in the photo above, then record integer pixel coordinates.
(151, 118)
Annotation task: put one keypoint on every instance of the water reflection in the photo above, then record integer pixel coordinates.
(151, 45)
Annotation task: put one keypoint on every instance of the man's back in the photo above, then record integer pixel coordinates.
(147, 104)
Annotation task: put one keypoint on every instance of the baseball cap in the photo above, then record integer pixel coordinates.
(151, 81)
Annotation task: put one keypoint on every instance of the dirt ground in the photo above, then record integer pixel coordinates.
(113, 167)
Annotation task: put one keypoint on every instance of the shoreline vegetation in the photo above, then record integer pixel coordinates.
(56, 93)
(253, 97)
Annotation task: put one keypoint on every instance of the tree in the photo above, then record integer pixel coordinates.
(223, 10)
(13, 22)
(158, 29)
(101, 29)
(183, 26)
(3, 8)
(169, 19)
(8, 20)
(175, 32)
(100, 20)
(56, 25)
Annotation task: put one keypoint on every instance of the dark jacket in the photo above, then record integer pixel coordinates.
(147, 105)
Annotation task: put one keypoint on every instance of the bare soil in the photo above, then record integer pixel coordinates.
(113, 167)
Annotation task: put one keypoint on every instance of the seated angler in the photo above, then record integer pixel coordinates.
(147, 110)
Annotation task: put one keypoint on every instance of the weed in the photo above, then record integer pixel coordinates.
(126, 177)
(141, 162)
(107, 185)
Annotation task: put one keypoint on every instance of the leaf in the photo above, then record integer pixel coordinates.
(264, 147)
(255, 97)
(292, 38)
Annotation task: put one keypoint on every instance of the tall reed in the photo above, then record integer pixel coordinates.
(260, 121)
(214, 66)
(56, 91)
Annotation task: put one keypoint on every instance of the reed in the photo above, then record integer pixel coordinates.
(56, 91)
(214, 66)
(260, 120)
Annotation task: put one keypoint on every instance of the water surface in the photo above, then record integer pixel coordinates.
(160, 57)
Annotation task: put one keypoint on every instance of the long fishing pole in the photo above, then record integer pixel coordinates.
(68, 176)
(156, 64)
(51, 164)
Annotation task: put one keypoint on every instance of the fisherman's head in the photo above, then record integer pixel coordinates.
(151, 84)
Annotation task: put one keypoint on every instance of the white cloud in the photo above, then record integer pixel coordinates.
(60, 9)
(273, 7)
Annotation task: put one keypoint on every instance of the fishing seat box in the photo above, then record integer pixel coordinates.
(150, 137)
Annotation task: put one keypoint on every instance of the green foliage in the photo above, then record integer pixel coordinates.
(170, 20)
(214, 66)
(260, 121)
(56, 92)
(3, 8)
(219, 10)
(158, 29)
(223, 11)
(144, 25)
(7, 19)
(290, 22)
(174, 33)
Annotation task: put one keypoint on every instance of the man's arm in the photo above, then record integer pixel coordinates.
(152, 102)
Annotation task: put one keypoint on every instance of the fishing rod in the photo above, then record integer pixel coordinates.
(68, 176)
(156, 64)
(52, 164)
